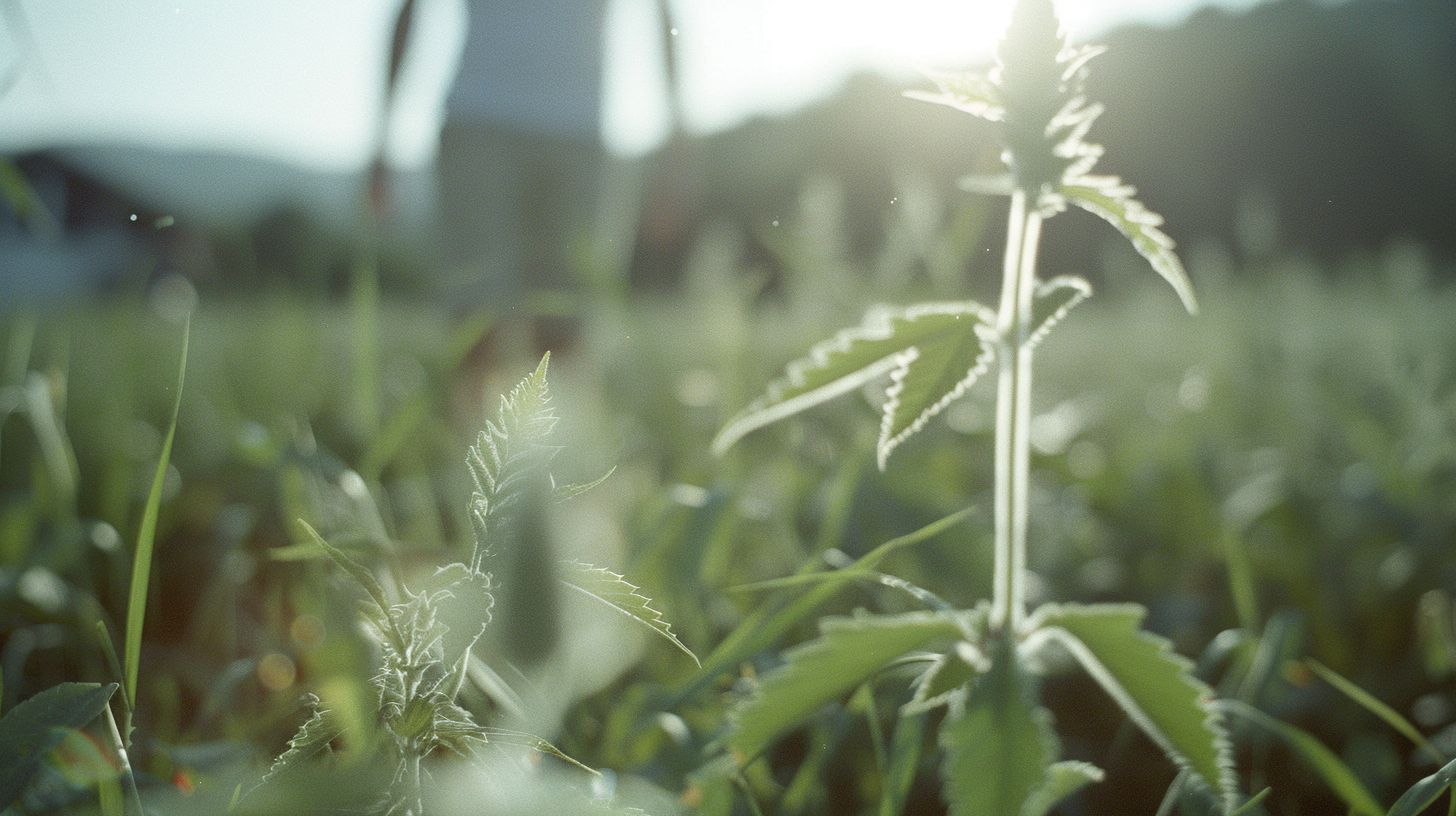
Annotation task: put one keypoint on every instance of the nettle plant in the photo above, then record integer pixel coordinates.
(1000, 752)
(427, 634)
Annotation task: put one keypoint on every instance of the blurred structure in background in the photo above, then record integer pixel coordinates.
(487, 147)
(521, 153)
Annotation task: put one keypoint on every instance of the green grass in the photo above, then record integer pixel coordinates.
(1306, 414)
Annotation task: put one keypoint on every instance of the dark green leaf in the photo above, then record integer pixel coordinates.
(1000, 746)
(847, 652)
(38, 724)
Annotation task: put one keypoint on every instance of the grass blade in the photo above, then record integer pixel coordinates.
(1415, 801)
(759, 631)
(1369, 702)
(1335, 773)
(141, 568)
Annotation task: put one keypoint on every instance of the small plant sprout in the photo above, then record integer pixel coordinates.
(427, 637)
(1000, 752)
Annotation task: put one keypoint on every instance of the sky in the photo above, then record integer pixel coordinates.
(299, 80)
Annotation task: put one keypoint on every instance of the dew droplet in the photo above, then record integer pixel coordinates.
(672, 31)
(775, 222)
(133, 216)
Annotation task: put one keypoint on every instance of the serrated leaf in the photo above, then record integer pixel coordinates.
(1335, 773)
(1151, 683)
(971, 93)
(312, 737)
(1000, 745)
(615, 591)
(508, 457)
(38, 724)
(946, 675)
(846, 653)
(1052, 300)
(940, 371)
(1420, 795)
(1108, 198)
(541, 746)
(463, 602)
(933, 352)
(1063, 780)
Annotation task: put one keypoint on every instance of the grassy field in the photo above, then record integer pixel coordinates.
(1273, 479)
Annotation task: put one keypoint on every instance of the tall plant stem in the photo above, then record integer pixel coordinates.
(1013, 414)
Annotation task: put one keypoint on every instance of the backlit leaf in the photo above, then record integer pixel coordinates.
(933, 352)
(615, 591)
(1151, 683)
(1108, 198)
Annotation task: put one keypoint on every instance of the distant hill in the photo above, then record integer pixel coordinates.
(1333, 123)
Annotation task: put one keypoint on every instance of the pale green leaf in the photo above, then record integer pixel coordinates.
(508, 457)
(1420, 795)
(971, 93)
(312, 738)
(463, 601)
(944, 677)
(1336, 774)
(1376, 707)
(1151, 683)
(524, 739)
(999, 747)
(616, 592)
(567, 492)
(1063, 780)
(933, 352)
(847, 652)
(1053, 299)
(1109, 199)
(37, 724)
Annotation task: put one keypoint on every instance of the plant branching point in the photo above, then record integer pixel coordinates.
(930, 354)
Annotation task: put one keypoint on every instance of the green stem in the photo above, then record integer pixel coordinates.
(119, 746)
(1013, 414)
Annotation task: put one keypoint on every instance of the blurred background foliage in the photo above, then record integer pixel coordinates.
(1275, 479)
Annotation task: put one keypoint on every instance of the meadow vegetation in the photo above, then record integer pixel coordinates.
(363, 536)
